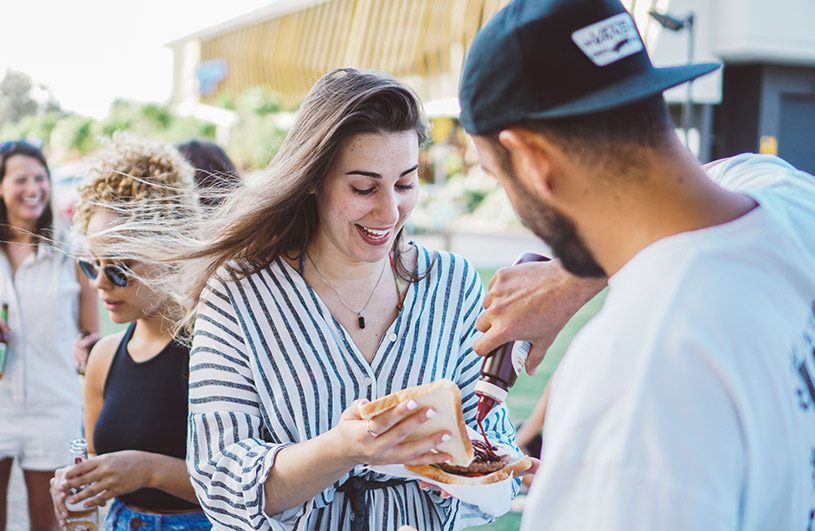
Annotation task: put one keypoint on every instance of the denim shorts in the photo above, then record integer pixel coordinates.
(123, 518)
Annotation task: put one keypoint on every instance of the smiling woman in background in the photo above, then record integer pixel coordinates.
(49, 302)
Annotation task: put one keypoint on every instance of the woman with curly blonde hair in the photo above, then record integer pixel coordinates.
(136, 380)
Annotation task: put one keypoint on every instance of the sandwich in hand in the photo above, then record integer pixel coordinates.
(472, 461)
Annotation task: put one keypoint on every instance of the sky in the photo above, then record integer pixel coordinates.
(90, 52)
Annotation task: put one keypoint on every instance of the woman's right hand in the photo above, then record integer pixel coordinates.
(381, 440)
(58, 495)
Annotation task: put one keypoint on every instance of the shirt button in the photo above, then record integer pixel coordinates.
(392, 338)
(368, 380)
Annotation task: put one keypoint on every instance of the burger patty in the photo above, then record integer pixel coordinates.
(483, 464)
(477, 466)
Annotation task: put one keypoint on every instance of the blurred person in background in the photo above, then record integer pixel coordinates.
(215, 174)
(136, 380)
(49, 302)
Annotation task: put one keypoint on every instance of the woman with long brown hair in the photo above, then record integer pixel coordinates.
(312, 303)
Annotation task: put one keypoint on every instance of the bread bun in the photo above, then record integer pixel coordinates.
(516, 465)
(445, 398)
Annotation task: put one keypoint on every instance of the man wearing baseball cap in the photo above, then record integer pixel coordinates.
(688, 402)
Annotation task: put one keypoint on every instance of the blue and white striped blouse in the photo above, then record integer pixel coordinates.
(270, 366)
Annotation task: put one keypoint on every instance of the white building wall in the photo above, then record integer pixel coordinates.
(729, 31)
(767, 31)
(186, 56)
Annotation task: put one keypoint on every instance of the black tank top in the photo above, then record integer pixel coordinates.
(145, 409)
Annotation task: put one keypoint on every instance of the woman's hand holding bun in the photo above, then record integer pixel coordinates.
(381, 440)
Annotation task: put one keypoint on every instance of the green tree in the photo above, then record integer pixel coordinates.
(16, 100)
(120, 117)
(74, 136)
(153, 120)
(259, 101)
(258, 133)
(37, 126)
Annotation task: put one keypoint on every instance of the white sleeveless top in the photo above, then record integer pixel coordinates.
(40, 377)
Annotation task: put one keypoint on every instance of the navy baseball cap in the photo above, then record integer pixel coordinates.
(557, 58)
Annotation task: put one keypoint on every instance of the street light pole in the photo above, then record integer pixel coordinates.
(687, 108)
(672, 23)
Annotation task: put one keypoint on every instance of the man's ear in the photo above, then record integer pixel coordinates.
(532, 158)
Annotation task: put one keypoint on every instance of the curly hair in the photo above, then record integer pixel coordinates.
(150, 190)
(138, 178)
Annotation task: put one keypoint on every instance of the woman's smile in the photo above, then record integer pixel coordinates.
(374, 236)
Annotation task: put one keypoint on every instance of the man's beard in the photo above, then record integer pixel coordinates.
(559, 233)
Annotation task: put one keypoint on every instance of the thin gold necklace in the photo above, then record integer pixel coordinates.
(360, 317)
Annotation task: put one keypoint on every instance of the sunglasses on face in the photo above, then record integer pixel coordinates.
(118, 274)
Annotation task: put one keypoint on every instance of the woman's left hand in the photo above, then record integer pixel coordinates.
(106, 476)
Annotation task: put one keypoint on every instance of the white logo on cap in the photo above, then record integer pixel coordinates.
(609, 40)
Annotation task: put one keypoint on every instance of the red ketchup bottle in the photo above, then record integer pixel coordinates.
(501, 367)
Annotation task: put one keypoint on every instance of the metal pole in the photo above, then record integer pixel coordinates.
(688, 104)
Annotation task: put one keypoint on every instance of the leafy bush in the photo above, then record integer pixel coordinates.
(473, 200)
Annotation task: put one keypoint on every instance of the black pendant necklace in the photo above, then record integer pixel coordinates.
(360, 317)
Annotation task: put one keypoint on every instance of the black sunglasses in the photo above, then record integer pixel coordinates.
(118, 274)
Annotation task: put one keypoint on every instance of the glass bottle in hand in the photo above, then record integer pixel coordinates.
(80, 518)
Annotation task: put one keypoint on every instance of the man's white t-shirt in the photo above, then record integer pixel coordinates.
(688, 402)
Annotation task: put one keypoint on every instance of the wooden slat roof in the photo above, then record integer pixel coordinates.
(422, 41)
